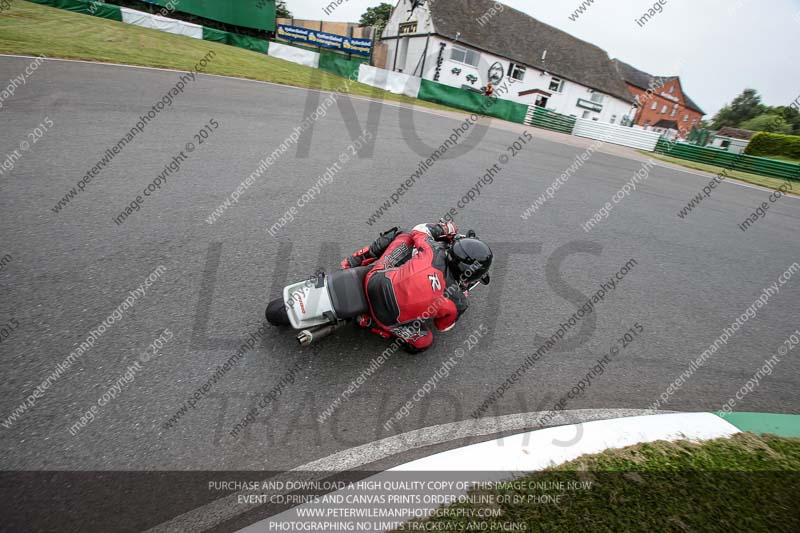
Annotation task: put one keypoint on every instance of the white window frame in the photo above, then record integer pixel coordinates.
(559, 82)
(664, 109)
(655, 106)
(466, 52)
(515, 69)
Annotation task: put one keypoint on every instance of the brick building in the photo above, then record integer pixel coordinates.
(662, 104)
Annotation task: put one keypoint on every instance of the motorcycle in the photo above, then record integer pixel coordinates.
(324, 303)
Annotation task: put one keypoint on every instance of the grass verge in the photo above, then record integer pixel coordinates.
(743, 483)
(755, 179)
(783, 158)
(32, 29)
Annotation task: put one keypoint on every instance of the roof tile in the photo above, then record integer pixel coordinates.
(521, 38)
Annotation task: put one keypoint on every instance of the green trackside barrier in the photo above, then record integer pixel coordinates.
(248, 43)
(257, 14)
(550, 120)
(721, 158)
(234, 39)
(217, 36)
(471, 101)
(338, 64)
(85, 7)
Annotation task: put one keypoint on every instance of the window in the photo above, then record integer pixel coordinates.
(586, 114)
(516, 72)
(674, 110)
(664, 109)
(407, 27)
(655, 106)
(597, 98)
(470, 57)
(556, 85)
(613, 118)
(686, 117)
(672, 89)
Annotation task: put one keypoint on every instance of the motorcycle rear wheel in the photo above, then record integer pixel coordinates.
(276, 313)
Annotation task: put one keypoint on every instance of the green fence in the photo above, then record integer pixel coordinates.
(471, 101)
(339, 64)
(235, 39)
(543, 118)
(112, 12)
(729, 160)
(97, 9)
(256, 14)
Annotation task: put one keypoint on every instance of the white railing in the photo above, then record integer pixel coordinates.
(616, 134)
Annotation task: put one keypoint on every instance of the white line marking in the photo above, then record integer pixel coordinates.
(224, 509)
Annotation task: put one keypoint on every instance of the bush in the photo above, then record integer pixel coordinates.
(766, 144)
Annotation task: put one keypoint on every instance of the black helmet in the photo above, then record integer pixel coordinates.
(469, 259)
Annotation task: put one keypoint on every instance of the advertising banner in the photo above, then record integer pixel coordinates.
(342, 43)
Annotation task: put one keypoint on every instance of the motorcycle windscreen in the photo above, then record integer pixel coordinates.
(306, 305)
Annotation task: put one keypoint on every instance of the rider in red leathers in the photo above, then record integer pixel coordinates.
(418, 276)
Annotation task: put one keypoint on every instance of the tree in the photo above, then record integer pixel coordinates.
(768, 122)
(791, 115)
(281, 11)
(744, 107)
(376, 16)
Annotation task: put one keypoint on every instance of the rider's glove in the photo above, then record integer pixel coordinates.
(360, 258)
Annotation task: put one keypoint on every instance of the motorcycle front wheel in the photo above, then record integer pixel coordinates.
(276, 313)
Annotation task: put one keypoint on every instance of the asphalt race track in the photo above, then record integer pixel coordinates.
(70, 270)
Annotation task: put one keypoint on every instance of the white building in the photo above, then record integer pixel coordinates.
(732, 139)
(469, 43)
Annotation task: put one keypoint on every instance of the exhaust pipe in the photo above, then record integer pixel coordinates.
(305, 337)
(309, 336)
